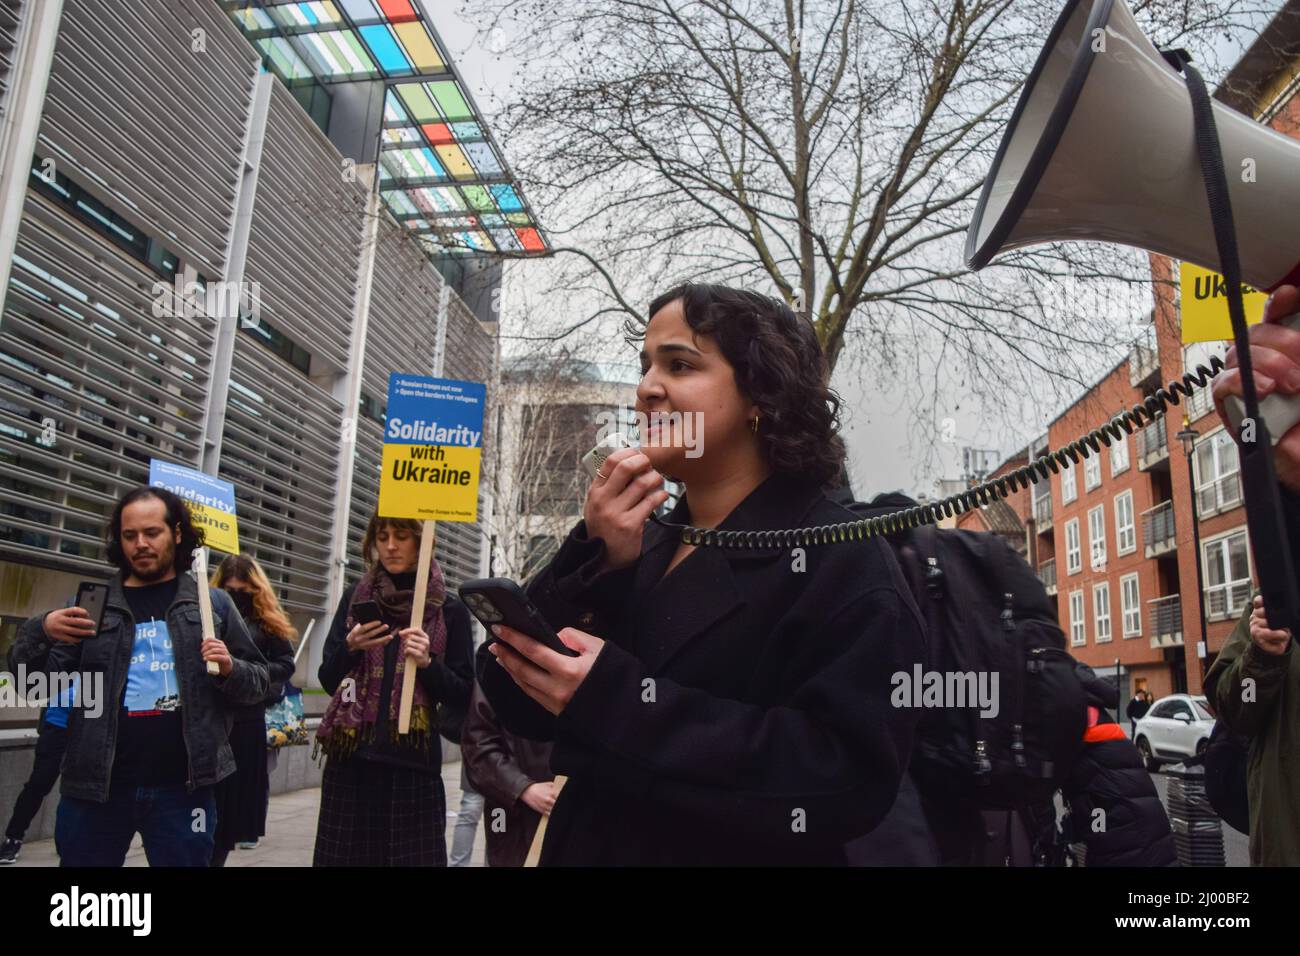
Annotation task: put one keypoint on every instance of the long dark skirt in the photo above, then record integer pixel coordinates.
(373, 814)
(242, 797)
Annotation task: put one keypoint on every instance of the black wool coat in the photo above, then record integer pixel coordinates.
(739, 712)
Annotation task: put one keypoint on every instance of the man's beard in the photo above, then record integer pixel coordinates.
(163, 567)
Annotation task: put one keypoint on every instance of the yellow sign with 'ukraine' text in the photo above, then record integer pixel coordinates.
(433, 449)
(211, 502)
(1205, 305)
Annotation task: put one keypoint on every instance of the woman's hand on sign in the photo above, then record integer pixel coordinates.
(619, 504)
(215, 650)
(1275, 356)
(365, 636)
(69, 625)
(549, 678)
(415, 645)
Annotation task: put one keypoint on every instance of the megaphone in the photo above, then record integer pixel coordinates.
(1101, 147)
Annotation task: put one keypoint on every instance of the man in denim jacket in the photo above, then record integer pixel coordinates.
(147, 761)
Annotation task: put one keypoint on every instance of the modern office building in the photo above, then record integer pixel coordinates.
(223, 225)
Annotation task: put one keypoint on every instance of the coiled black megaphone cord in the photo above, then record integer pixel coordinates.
(1038, 470)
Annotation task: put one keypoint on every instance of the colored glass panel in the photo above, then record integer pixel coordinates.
(506, 197)
(361, 11)
(447, 197)
(419, 47)
(418, 102)
(327, 59)
(531, 239)
(455, 161)
(505, 240)
(483, 158)
(467, 130)
(439, 134)
(450, 100)
(479, 199)
(384, 46)
(393, 111)
(519, 219)
(357, 53)
(397, 10)
(253, 18)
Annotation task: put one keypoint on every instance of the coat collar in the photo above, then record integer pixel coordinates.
(672, 611)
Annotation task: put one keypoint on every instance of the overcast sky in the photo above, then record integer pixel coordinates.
(877, 423)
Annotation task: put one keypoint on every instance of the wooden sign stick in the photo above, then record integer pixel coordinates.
(205, 602)
(535, 851)
(417, 619)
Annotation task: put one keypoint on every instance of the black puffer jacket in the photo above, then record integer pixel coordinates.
(1131, 828)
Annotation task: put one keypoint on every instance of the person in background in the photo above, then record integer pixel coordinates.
(1137, 709)
(242, 798)
(51, 741)
(471, 811)
(382, 799)
(1254, 685)
(514, 776)
(1115, 810)
(151, 762)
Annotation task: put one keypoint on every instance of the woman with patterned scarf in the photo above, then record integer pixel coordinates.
(382, 799)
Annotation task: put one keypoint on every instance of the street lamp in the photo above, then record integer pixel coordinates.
(1188, 437)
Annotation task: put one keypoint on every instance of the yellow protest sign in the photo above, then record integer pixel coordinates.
(433, 448)
(1205, 305)
(211, 502)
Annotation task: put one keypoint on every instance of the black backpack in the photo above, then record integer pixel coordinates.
(1226, 758)
(986, 612)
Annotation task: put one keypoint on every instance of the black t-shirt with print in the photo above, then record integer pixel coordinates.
(150, 740)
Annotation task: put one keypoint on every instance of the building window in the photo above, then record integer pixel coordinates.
(1218, 485)
(1227, 575)
(1131, 605)
(1078, 626)
(1125, 528)
(1119, 455)
(1073, 554)
(1101, 611)
(1091, 471)
(1068, 490)
(1097, 536)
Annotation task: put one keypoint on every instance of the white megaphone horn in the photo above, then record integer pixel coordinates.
(1101, 147)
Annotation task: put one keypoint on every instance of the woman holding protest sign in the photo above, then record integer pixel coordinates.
(727, 704)
(382, 799)
(242, 797)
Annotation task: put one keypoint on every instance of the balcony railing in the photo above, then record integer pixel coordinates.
(1142, 362)
(1226, 600)
(1166, 616)
(1158, 529)
(1047, 574)
(1152, 445)
(1043, 512)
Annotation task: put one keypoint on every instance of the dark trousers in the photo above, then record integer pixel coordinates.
(177, 826)
(50, 744)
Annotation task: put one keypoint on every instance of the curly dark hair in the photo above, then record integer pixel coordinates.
(178, 514)
(779, 366)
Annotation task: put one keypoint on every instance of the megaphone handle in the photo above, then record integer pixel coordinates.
(1279, 412)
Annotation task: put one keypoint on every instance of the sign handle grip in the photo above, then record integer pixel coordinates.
(417, 618)
(205, 602)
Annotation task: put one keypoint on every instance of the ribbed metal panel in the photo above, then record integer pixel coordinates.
(280, 449)
(134, 114)
(79, 346)
(11, 14)
(306, 235)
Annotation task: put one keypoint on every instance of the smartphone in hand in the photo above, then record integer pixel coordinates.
(501, 601)
(93, 598)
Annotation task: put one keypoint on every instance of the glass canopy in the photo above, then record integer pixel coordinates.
(441, 173)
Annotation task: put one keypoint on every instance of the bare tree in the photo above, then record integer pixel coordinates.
(829, 151)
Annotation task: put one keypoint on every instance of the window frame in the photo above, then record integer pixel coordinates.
(1092, 472)
(1101, 588)
(1135, 610)
(1067, 471)
(1079, 626)
(1095, 538)
(1218, 440)
(1073, 558)
(1120, 550)
(1231, 612)
(1115, 446)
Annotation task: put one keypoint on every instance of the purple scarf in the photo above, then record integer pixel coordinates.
(353, 711)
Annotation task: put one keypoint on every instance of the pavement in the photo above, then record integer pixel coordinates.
(290, 832)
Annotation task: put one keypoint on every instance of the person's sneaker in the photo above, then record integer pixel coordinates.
(248, 844)
(9, 851)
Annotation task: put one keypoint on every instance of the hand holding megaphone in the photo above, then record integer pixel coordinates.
(1275, 352)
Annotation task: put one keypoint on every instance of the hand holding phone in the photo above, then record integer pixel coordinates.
(501, 601)
(618, 506)
(69, 625)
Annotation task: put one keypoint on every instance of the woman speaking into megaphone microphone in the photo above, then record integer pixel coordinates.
(726, 705)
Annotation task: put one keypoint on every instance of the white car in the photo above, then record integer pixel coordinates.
(1176, 727)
